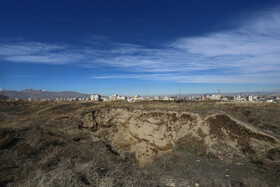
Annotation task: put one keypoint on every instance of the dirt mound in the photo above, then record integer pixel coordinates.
(145, 134)
(225, 129)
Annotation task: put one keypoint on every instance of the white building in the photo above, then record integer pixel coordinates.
(95, 97)
(166, 98)
(237, 98)
(157, 98)
(250, 98)
(117, 97)
(130, 100)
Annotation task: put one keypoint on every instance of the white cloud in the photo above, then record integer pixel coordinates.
(251, 78)
(248, 54)
(27, 48)
(35, 52)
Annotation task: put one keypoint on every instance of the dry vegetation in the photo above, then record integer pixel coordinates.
(51, 144)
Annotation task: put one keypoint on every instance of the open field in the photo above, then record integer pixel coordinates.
(149, 143)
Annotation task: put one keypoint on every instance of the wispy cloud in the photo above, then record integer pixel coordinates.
(35, 52)
(27, 48)
(251, 78)
(250, 53)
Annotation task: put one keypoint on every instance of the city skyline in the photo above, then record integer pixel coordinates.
(140, 47)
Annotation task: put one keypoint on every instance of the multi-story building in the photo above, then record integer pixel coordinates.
(95, 97)
(157, 98)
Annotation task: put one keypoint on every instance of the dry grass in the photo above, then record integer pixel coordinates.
(41, 145)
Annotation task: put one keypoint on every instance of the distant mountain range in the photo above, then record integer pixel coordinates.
(42, 94)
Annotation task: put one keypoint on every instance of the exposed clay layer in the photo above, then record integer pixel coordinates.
(146, 134)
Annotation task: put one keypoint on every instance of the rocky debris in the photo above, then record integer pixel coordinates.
(89, 122)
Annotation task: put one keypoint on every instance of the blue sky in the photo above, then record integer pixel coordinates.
(140, 47)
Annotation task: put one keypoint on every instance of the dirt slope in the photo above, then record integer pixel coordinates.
(147, 134)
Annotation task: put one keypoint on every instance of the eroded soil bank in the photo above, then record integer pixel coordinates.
(143, 135)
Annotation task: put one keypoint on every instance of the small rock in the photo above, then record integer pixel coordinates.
(89, 122)
(239, 164)
(95, 139)
(198, 160)
(196, 185)
(227, 176)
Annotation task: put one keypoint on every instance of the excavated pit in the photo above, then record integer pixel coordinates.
(141, 135)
